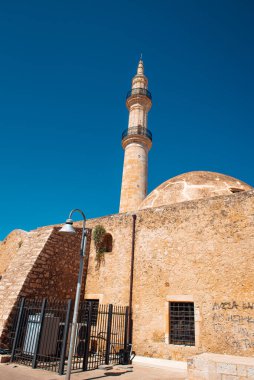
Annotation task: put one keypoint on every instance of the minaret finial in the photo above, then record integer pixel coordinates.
(140, 70)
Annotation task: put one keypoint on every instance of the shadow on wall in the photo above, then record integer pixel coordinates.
(52, 274)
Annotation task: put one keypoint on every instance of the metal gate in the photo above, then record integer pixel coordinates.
(40, 334)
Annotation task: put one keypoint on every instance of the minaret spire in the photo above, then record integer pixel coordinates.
(140, 70)
(136, 142)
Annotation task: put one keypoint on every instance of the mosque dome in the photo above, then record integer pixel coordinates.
(193, 185)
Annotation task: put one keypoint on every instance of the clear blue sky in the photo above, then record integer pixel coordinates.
(65, 68)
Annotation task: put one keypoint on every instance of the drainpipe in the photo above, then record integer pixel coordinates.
(130, 320)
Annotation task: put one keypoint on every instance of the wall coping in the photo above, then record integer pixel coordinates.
(154, 362)
(222, 358)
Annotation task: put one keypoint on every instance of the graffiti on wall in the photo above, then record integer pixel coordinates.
(235, 321)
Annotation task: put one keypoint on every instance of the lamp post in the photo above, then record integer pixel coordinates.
(68, 228)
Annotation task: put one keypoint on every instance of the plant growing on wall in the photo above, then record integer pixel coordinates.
(99, 233)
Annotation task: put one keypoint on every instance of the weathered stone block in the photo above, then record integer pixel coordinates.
(250, 371)
(241, 370)
(229, 369)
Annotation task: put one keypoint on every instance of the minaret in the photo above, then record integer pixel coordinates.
(136, 142)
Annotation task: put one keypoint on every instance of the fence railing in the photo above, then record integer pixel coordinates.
(139, 91)
(40, 334)
(138, 130)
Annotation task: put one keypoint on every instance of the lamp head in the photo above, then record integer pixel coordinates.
(68, 228)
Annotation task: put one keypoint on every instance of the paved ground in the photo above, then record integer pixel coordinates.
(140, 372)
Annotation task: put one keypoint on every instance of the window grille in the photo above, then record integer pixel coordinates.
(181, 323)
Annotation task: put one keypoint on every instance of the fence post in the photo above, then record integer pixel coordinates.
(110, 312)
(65, 338)
(88, 334)
(126, 328)
(37, 345)
(18, 329)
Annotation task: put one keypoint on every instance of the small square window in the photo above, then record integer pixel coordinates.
(181, 323)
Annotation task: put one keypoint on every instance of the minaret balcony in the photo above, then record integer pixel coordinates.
(137, 131)
(139, 91)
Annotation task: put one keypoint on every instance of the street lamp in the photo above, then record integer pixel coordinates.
(68, 228)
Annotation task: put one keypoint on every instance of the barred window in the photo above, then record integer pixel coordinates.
(181, 323)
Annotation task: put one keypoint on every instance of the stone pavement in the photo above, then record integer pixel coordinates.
(140, 372)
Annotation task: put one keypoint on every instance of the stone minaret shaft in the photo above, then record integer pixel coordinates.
(136, 142)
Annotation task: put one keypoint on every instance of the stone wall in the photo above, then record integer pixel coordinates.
(220, 367)
(46, 265)
(200, 251)
(55, 272)
(111, 282)
(9, 247)
(16, 274)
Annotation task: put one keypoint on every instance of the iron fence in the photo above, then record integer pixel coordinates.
(40, 334)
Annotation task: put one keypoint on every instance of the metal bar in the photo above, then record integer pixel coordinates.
(126, 328)
(18, 329)
(37, 345)
(182, 329)
(65, 338)
(110, 309)
(77, 299)
(130, 322)
(87, 339)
